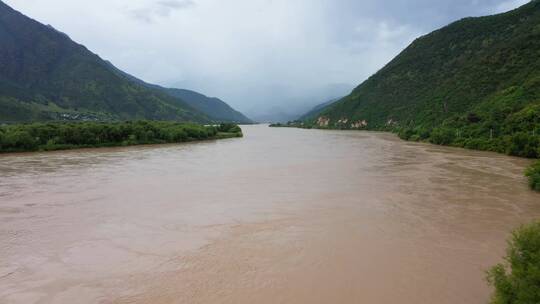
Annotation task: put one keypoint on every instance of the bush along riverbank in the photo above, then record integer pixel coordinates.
(518, 280)
(72, 135)
(533, 173)
(514, 141)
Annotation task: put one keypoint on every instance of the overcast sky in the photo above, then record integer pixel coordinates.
(254, 54)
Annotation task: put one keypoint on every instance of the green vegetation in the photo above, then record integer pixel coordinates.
(227, 129)
(517, 134)
(533, 173)
(466, 84)
(520, 284)
(317, 110)
(71, 135)
(473, 84)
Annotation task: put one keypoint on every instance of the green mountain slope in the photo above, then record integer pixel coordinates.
(317, 110)
(474, 83)
(45, 75)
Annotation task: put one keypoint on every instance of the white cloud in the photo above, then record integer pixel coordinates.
(147, 12)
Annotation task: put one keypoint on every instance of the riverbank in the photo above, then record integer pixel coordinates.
(53, 136)
(520, 144)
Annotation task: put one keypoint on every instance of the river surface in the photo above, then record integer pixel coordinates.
(280, 216)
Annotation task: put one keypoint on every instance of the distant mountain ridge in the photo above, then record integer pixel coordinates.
(44, 75)
(213, 107)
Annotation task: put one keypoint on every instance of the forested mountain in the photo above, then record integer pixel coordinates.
(474, 83)
(44, 75)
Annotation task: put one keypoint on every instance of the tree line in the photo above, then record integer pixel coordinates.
(70, 135)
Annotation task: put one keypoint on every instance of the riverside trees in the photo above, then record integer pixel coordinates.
(69, 135)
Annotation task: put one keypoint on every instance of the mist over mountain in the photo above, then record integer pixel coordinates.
(285, 109)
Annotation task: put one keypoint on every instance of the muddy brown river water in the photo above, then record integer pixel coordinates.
(280, 216)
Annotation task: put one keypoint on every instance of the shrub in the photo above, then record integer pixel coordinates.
(524, 145)
(533, 173)
(415, 137)
(518, 282)
(442, 136)
(405, 133)
(229, 128)
(424, 133)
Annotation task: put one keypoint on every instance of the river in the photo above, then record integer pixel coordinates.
(280, 216)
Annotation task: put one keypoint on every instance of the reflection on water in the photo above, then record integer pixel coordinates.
(281, 216)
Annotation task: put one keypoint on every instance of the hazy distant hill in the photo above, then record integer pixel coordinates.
(275, 114)
(474, 83)
(215, 108)
(45, 75)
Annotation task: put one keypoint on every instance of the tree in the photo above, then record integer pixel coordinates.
(19, 139)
